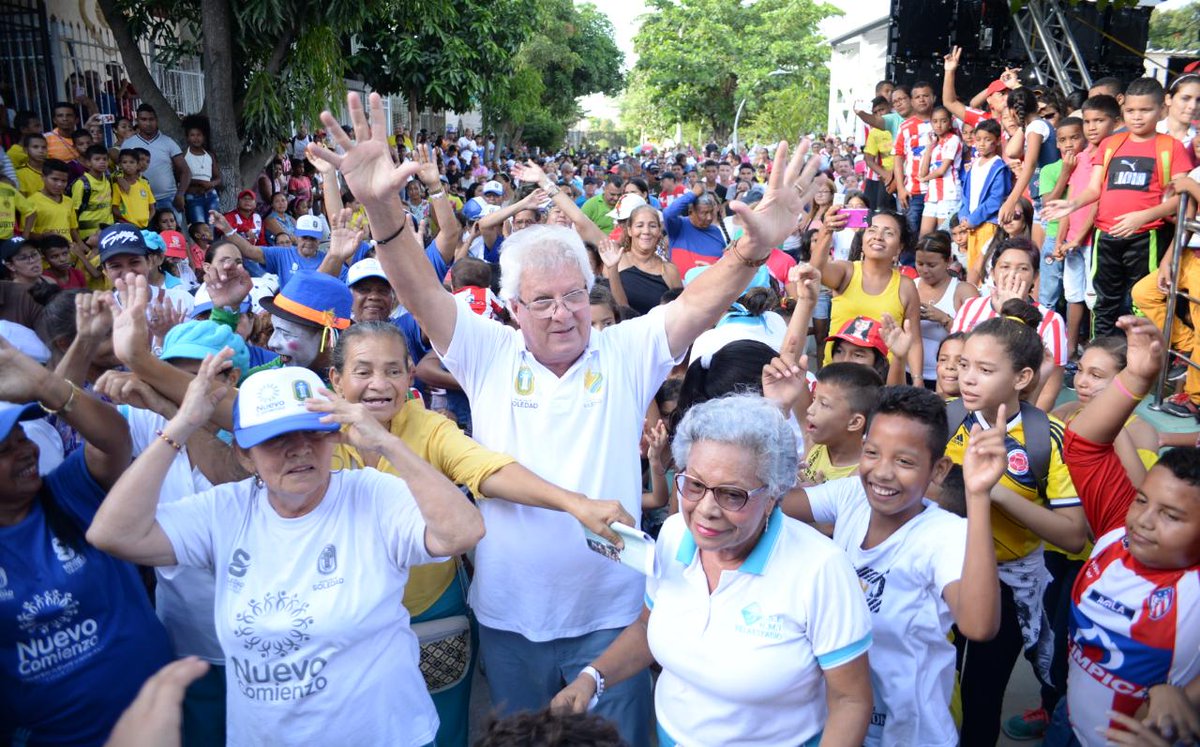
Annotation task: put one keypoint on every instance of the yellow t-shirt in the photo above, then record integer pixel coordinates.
(18, 156)
(817, 464)
(99, 212)
(1012, 539)
(30, 181)
(50, 216)
(438, 441)
(879, 143)
(136, 204)
(13, 206)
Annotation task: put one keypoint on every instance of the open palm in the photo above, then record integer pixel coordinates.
(769, 222)
(367, 164)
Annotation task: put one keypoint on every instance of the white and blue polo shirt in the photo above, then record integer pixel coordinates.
(744, 665)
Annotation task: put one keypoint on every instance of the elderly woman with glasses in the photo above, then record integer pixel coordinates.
(758, 620)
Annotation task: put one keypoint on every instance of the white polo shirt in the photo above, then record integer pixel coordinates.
(743, 665)
(534, 573)
(912, 661)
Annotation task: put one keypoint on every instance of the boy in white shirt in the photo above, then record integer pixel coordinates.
(922, 568)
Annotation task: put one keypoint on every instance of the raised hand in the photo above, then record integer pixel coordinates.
(897, 337)
(804, 281)
(774, 217)
(344, 240)
(227, 286)
(367, 164)
(125, 388)
(1010, 286)
(204, 393)
(656, 442)
(365, 432)
(164, 316)
(986, 458)
(785, 383)
(1145, 345)
(93, 317)
(131, 334)
(611, 253)
(429, 174)
(529, 172)
(950, 61)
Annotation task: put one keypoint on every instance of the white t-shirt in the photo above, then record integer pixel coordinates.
(744, 665)
(317, 643)
(184, 594)
(534, 573)
(912, 661)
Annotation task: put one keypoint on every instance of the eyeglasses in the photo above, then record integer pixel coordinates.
(728, 497)
(26, 257)
(544, 308)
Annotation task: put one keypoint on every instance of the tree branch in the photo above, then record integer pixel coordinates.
(273, 66)
(139, 73)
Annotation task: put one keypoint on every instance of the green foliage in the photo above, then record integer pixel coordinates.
(571, 54)
(1175, 29)
(698, 58)
(442, 55)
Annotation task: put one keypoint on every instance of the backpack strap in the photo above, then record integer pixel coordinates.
(87, 195)
(1163, 145)
(1036, 425)
(956, 413)
(1117, 141)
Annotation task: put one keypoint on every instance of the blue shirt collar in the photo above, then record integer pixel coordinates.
(756, 562)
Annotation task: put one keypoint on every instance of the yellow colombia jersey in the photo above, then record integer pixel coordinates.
(13, 207)
(817, 464)
(99, 209)
(1013, 540)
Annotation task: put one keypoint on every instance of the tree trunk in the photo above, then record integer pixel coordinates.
(414, 116)
(139, 73)
(216, 26)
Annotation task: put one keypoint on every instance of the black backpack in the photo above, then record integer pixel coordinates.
(1036, 425)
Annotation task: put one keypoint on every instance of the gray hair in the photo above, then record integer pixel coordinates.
(748, 421)
(541, 247)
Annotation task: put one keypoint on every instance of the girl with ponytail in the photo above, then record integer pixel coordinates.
(1030, 141)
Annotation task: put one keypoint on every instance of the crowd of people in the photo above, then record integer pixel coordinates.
(789, 445)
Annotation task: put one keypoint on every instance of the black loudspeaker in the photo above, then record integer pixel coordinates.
(921, 29)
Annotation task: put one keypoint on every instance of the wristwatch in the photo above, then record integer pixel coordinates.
(594, 674)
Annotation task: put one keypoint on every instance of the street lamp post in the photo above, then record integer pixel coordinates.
(738, 115)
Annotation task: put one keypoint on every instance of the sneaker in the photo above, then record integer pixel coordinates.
(1028, 726)
(1180, 405)
(1177, 371)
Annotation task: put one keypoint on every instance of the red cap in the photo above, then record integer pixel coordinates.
(864, 332)
(996, 87)
(1192, 67)
(245, 192)
(176, 244)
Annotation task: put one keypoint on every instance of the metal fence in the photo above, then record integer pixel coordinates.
(25, 67)
(44, 59)
(83, 51)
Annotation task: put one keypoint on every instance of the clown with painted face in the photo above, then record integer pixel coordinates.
(306, 315)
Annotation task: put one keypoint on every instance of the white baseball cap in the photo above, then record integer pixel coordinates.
(270, 403)
(25, 340)
(493, 188)
(365, 268)
(309, 227)
(625, 206)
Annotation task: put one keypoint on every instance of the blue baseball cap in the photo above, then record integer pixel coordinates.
(270, 403)
(12, 413)
(122, 238)
(196, 339)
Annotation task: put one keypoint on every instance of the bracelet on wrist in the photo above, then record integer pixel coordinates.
(1120, 386)
(169, 441)
(394, 235)
(66, 406)
(755, 263)
(436, 195)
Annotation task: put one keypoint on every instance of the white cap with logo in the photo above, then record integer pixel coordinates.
(271, 403)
